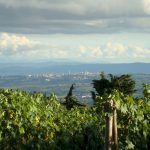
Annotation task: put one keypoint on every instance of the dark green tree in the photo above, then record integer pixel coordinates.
(70, 100)
(123, 83)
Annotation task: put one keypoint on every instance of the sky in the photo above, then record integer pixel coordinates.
(99, 31)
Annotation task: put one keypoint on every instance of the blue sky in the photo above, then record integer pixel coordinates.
(100, 31)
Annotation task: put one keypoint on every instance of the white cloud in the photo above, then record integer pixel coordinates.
(146, 4)
(24, 47)
(14, 45)
(115, 49)
(118, 50)
(138, 52)
(115, 52)
(88, 51)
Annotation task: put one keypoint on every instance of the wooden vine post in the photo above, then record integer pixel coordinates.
(111, 138)
(108, 130)
(115, 133)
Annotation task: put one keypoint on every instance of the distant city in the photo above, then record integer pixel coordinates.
(60, 83)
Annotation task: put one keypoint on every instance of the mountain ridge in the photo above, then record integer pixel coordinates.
(73, 67)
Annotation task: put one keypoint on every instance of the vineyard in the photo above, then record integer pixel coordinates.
(37, 121)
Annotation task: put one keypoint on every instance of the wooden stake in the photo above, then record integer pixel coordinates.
(109, 127)
(115, 134)
(111, 135)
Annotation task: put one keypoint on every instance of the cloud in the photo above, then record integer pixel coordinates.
(139, 52)
(104, 7)
(29, 48)
(21, 46)
(74, 17)
(88, 51)
(115, 52)
(146, 4)
(12, 44)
